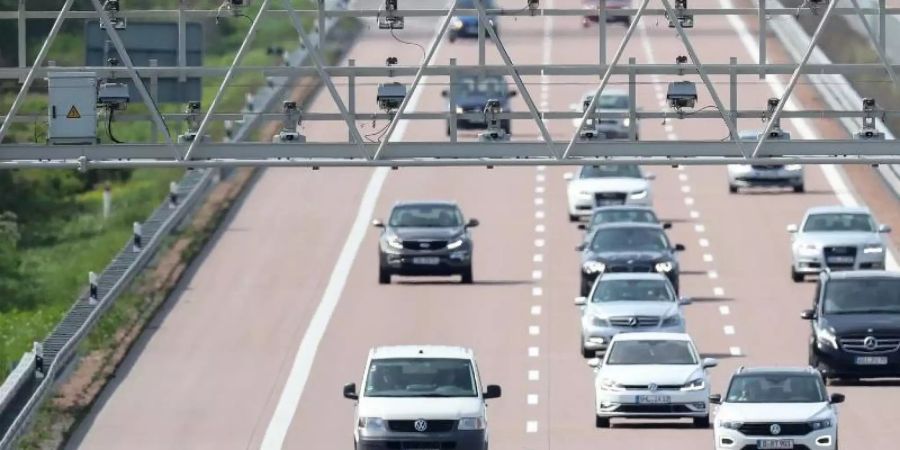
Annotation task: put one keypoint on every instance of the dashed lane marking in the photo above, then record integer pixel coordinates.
(704, 243)
(695, 214)
(536, 310)
(538, 257)
(729, 330)
(534, 375)
(538, 201)
(534, 352)
(735, 351)
(540, 178)
(707, 257)
(539, 190)
(538, 242)
(689, 201)
(539, 228)
(686, 189)
(531, 426)
(682, 177)
(718, 292)
(540, 168)
(534, 330)
(699, 228)
(713, 274)
(724, 310)
(532, 399)
(536, 274)
(537, 291)
(539, 214)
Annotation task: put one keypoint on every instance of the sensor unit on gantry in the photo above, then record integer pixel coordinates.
(390, 20)
(289, 133)
(681, 16)
(869, 131)
(390, 96)
(776, 134)
(193, 116)
(72, 108)
(493, 132)
(681, 94)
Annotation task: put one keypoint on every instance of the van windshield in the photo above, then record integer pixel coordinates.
(420, 377)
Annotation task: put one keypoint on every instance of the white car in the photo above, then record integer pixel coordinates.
(776, 408)
(611, 101)
(606, 185)
(652, 376)
(421, 397)
(764, 175)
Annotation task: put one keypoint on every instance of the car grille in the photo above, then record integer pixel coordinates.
(639, 321)
(767, 167)
(608, 122)
(609, 198)
(643, 268)
(424, 245)
(840, 252)
(403, 445)
(652, 409)
(878, 344)
(787, 429)
(434, 426)
(660, 387)
(796, 447)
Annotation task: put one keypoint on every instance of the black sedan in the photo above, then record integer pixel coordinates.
(425, 238)
(628, 247)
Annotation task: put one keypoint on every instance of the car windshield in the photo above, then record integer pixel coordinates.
(426, 216)
(612, 215)
(650, 352)
(470, 4)
(420, 377)
(489, 86)
(862, 296)
(776, 388)
(611, 171)
(612, 101)
(629, 239)
(632, 291)
(839, 222)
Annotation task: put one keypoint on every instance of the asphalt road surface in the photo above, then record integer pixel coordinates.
(281, 311)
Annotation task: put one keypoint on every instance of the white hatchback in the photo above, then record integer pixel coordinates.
(652, 376)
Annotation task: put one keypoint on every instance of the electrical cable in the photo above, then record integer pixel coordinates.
(109, 119)
(409, 43)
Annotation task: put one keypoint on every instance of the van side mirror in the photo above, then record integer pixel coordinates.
(709, 362)
(667, 225)
(883, 228)
(493, 391)
(377, 223)
(582, 226)
(715, 399)
(580, 247)
(594, 362)
(679, 247)
(685, 301)
(808, 314)
(350, 391)
(568, 176)
(580, 301)
(837, 398)
(472, 223)
(792, 228)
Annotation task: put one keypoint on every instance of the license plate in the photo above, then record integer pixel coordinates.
(764, 444)
(607, 202)
(840, 259)
(426, 260)
(654, 399)
(871, 360)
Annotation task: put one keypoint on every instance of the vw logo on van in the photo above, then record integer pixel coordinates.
(775, 429)
(421, 425)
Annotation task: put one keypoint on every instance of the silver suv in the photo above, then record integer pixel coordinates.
(836, 238)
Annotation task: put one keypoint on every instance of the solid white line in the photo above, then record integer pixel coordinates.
(532, 399)
(718, 292)
(534, 375)
(699, 228)
(729, 330)
(707, 257)
(531, 426)
(724, 310)
(534, 352)
(538, 214)
(534, 330)
(539, 228)
(537, 291)
(704, 243)
(536, 310)
(538, 242)
(538, 257)
(735, 351)
(536, 274)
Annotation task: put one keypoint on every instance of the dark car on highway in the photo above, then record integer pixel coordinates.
(621, 213)
(467, 26)
(628, 247)
(856, 325)
(470, 95)
(425, 238)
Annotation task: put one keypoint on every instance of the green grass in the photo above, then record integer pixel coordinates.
(61, 269)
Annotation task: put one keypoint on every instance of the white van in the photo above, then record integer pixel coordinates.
(423, 397)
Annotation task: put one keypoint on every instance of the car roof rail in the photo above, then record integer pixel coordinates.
(739, 369)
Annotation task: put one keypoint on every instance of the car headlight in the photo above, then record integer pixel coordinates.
(820, 424)
(600, 322)
(591, 267)
(639, 194)
(371, 424)
(456, 23)
(808, 249)
(395, 242)
(742, 168)
(827, 336)
(460, 110)
(665, 267)
(607, 384)
(731, 424)
(873, 249)
(793, 167)
(671, 321)
(695, 385)
(584, 193)
(455, 244)
(626, 122)
(471, 423)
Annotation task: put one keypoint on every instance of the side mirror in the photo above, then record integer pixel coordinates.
(568, 176)
(837, 398)
(884, 228)
(493, 391)
(350, 391)
(667, 225)
(580, 247)
(594, 362)
(513, 93)
(679, 247)
(472, 223)
(582, 226)
(377, 223)
(685, 301)
(445, 93)
(715, 399)
(792, 228)
(580, 301)
(808, 315)
(650, 176)
(709, 362)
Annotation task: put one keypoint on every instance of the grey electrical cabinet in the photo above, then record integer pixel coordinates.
(73, 108)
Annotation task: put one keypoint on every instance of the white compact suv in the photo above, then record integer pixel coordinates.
(776, 408)
(606, 185)
(421, 397)
(652, 376)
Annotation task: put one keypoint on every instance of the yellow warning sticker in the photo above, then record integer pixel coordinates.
(73, 113)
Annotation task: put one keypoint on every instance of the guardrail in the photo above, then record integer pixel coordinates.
(837, 92)
(30, 383)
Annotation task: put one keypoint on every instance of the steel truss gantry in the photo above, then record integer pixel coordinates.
(356, 152)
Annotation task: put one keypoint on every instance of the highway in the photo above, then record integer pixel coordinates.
(282, 309)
